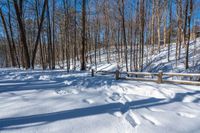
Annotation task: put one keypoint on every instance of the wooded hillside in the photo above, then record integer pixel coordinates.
(68, 33)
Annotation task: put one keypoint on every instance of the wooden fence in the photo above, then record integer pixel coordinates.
(159, 77)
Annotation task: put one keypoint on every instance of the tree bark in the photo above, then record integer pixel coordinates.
(19, 12)
(39, 32)
(83, 65)
(13, 63)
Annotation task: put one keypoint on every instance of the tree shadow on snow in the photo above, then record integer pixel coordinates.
(71, 80)
(40, 119)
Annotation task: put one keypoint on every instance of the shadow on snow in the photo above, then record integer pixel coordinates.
(40, 119)
(56, 82)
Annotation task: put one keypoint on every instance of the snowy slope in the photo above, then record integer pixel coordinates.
(56, 101)
(157, 61)
(160, 61)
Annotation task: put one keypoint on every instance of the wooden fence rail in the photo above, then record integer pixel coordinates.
(160, 78)
(155, 77)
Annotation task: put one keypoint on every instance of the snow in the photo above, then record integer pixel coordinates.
(159, 61)
(57, 101)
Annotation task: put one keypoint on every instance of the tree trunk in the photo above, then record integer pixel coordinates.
(188, 41)
(39, 31)
(8, 39)
(19, 13)
(83, 65)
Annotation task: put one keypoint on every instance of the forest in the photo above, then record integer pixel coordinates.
(103, 66)
(73, 34)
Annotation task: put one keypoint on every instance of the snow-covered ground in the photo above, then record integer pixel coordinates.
(60, 102)
(159, 61)
(56, 101)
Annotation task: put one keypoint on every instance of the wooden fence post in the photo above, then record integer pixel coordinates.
(117, 75)
(160, 74)
(92, 73)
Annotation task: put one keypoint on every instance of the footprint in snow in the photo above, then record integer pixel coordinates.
(89, 101)
(118, 114)
(156, 110)
(66, 82)
(127, 98)
(189, 99)
(115, 96)
(44, 77)
(152, 120)
(67, 91)
(187, 115)
(133, 119)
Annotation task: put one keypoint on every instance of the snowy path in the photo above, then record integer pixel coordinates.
(57, 101)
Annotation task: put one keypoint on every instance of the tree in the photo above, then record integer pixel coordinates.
(51, 33)
(188, 39)
(19, 14)
(39, 32)
(8, 39)
(83, 65)
(170, 28)
(142, 24)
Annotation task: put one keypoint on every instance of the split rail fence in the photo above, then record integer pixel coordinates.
(159, 77)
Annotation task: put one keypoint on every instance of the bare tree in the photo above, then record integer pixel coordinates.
(188, 39)
(8, 39)
(83, 65)
(19, 14)
(39, 32)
